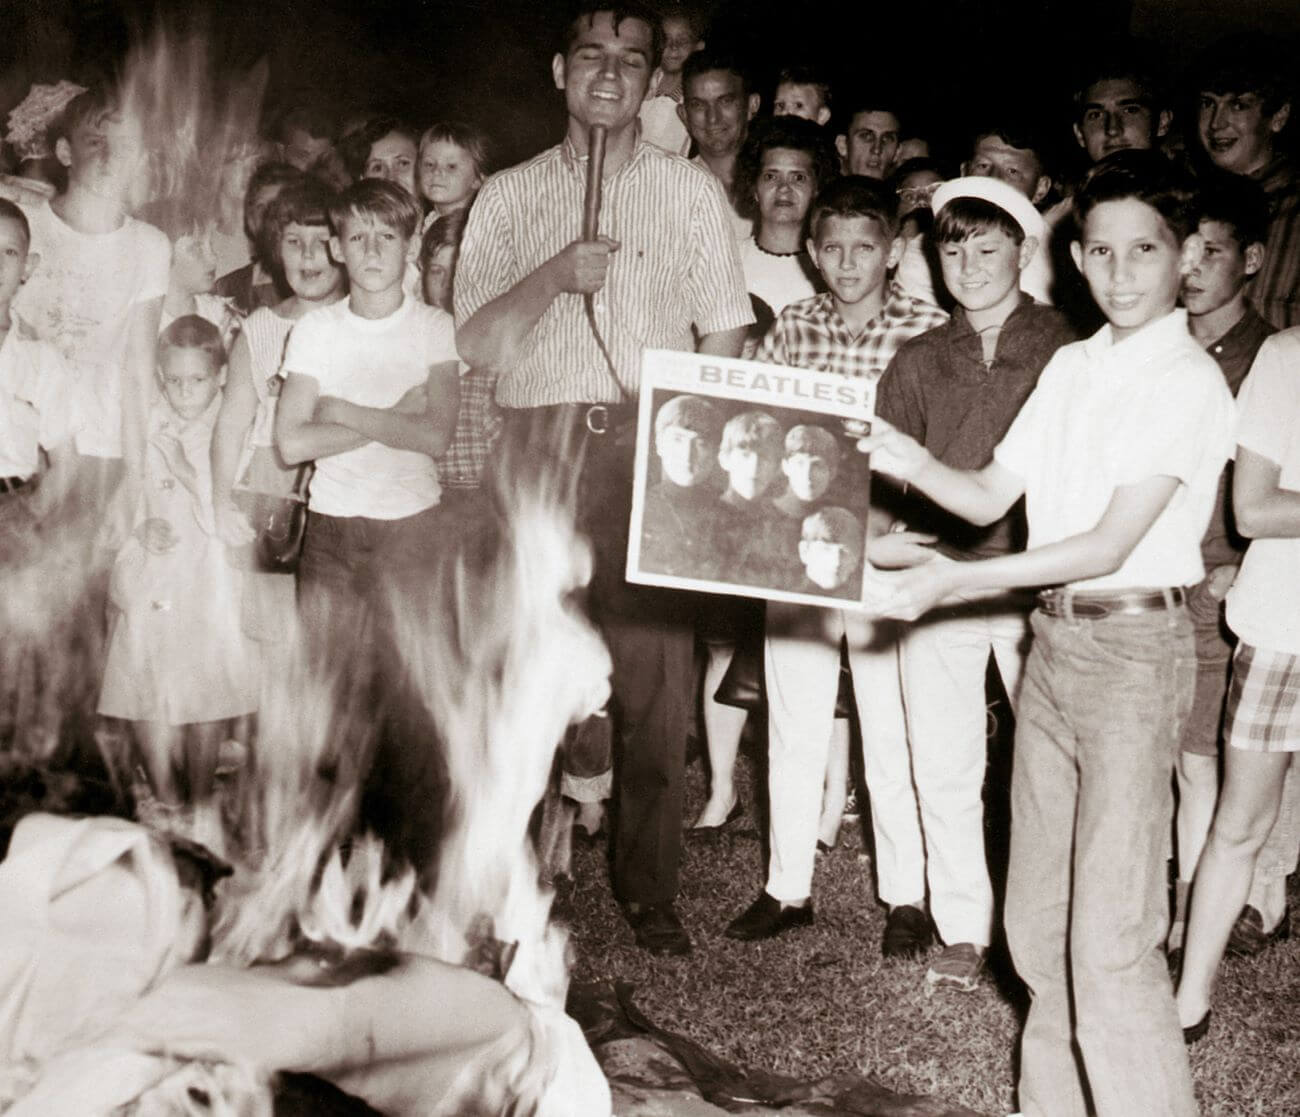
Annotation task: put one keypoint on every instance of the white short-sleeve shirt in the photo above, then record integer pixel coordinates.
(80, 298)
(372, 362)
(36, 405)
(1264, 602)
(1107, 414)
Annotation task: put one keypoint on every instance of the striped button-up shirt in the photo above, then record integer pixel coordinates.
(677, 269)
(1275, 290)
(811, 334)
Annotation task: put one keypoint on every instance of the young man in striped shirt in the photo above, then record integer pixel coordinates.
(665, 271)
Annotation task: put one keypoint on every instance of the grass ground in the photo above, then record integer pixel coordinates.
(821, 1001)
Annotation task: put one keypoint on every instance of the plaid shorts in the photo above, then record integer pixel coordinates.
(1264, 701)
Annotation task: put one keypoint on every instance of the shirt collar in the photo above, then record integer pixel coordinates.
(1243, 333)
(1152, 340)
(1277, 176)
(571, 158)
(896, 304)
(961, 326)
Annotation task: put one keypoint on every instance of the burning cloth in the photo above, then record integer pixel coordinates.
(99, 1011)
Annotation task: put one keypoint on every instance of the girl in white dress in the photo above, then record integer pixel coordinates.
(179, 666)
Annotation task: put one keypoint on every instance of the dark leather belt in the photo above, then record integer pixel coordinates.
(13, 484)
(595, 418)
(1091, 605)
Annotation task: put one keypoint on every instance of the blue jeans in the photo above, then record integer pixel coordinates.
(1101, 711)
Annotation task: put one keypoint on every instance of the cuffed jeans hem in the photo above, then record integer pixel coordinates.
(587, 789)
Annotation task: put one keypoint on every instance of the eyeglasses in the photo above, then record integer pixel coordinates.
(917, 195)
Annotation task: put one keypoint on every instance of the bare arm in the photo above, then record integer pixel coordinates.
(977, 495)
(724, 343)
(1261, 507)
(137, 388)
(298, 435)
(494, 335)
(1093, 553)
(234, 420)
(427, 430)
(141, 349)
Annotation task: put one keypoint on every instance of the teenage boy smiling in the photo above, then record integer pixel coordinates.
(666, 272)
(1117, 453)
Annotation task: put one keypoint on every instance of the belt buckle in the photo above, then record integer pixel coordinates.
(597, 418)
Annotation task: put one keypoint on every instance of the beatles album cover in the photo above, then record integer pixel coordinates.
(747, 482)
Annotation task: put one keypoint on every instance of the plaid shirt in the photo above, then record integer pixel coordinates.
(811, 334)
(1275, 290)
(677, 268)
(478, 427)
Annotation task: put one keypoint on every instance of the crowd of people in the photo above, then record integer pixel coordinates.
(367, 318)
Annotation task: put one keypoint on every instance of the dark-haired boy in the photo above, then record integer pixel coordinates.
(870, 140)
(1234, 226)
(853, 330)
(1245, 94)
(1119, 104)
(1117, 454)
(956, 390)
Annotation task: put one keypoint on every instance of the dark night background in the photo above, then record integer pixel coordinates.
(952, 61)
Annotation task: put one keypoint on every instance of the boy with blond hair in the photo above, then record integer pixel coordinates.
(371, 394)
(853, 329)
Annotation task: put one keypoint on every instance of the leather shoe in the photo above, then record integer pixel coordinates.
(766, 918)
(1194, 1033)
(1248, 936)
(698, 833)
(657, 928)
(907, 932)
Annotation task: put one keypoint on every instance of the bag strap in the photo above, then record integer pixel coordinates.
(301, 480)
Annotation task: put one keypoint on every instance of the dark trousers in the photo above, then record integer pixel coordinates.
(650, 633)
(358, 578)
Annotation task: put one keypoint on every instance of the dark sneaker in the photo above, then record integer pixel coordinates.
(907, 932)
(1248, 936)
(766, 918)
(657, 928)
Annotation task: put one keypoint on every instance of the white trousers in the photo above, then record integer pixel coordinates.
(944, 657)
(801, 660)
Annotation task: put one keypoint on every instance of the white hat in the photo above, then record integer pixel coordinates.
(1036, 278)
(999, 194)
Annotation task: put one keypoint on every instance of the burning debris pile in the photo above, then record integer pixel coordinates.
(421, 989)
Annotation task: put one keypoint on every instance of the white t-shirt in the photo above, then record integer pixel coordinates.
(35, 403)
(1264, 602)
(777, 280)
(80, 299)
(372, 362)
(914, 276)
(1106, 414)
(662, 126)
